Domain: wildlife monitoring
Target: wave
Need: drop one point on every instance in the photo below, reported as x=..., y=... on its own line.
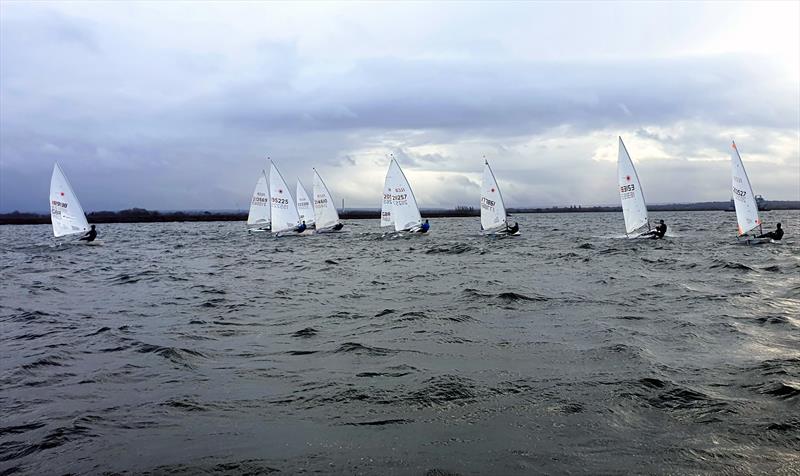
x=453, y=249
x=391, y=421
x=356, y=348
x=505, y=297
x=305, y=332
x=177, y=355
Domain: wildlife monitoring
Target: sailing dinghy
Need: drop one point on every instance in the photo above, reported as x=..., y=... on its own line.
x=494, y=220
x=259, y=217
x=634, y=208
x=402, y=205
x=66, y=212
x=324, y=207
x=305, y=208
x=745, y=202
x=285, y=219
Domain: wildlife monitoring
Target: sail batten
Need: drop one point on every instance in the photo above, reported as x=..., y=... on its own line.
x=743, y=199
x=66, y=213
x=493, y=210
x=324, y=206
x=259, y=215
x=634, y=207
x=282, y=205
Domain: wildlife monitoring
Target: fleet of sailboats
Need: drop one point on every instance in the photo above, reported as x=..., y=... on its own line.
x=272, y=207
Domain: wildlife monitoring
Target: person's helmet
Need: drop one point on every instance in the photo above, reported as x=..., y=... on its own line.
x=93, y=226
x=779, y=225
x=662, y=222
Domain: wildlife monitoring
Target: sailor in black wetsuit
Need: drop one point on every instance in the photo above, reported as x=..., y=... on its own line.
x=510, y=230
x=301, y=227
x=775, y=235
x=90, y=235
x=338, y=226
x=659, y=232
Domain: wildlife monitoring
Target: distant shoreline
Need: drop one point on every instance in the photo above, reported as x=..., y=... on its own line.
x=140, y=215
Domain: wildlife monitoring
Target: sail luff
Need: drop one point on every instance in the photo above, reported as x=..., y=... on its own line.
x=406, y=215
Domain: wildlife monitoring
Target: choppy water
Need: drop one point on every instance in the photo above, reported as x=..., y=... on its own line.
x=194, y=347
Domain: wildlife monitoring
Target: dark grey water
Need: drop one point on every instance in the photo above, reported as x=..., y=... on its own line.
x=190, y=348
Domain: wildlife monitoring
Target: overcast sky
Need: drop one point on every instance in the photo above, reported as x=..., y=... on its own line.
x=177, y=105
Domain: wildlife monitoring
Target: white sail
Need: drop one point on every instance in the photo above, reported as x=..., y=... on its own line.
x=304, y=206
x=259, y=215
x=283, y=208
x=493, y=210
x=66, y=212
x=743, y=199
x=634, y=208
x=387, y=218
x=405, y=212
x=324, y=206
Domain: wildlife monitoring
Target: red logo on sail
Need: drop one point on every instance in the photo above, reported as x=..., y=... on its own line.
x=628, y=178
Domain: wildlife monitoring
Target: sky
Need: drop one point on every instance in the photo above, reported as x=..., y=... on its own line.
x=178, y=105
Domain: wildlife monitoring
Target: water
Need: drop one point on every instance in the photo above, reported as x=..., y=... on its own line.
x=193, y=347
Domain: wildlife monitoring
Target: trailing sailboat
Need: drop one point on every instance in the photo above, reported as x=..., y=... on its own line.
x=259, y=218
x=305, y=208
x=282, y=206
x=399, y=204
x=66, y=213
x=324, y=207
x=494, y=220
x=744, y=201
x=634, y=208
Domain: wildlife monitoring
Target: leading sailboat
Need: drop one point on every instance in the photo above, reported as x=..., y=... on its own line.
x=399, y=204
x=259, y=218
x=494, y=220
x=744, y=201
x=634, y=208
x=66, y=212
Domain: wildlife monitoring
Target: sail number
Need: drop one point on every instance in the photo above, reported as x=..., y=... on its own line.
x=486, y=203
x=741, y=193
x=260, y=200
x=627, y=188
x=56, y=203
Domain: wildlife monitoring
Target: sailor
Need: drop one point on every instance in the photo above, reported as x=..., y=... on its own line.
x=775, y=235
x=512, y=229
x=338, y=226
x=424, y=227
x=659, y=232
x=92, y=234
x=301, y=227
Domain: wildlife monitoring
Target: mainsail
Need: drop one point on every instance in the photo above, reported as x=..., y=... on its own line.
x=405, y=212
x=493, y=210
x=283, y=208
x=743, y=198
x=634, y=208
x=324, y=207
x=259, y=216
x=304, y=206
x=66, y=212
